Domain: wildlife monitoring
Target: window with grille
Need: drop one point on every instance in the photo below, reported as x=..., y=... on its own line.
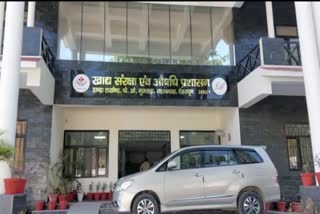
x=86, y=153
x=21, y=131
x=143, y=136
x=193, y=138
x=299, y=146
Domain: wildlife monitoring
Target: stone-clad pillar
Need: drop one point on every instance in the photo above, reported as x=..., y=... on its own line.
x=10, y=72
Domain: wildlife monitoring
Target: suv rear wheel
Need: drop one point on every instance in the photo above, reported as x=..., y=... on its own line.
x=145, y=204
x=250, y=203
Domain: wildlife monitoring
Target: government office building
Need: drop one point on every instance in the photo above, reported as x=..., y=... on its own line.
x=113, y=83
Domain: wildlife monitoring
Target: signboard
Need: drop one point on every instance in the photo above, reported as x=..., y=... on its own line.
x=150, y=85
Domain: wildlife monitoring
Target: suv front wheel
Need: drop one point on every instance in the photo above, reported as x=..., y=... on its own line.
x=250, y=203
x=145, y=204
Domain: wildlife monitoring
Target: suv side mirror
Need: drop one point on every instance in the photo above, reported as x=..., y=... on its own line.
x=172, y=165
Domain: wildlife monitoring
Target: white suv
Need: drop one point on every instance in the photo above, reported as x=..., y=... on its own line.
x=199, y=178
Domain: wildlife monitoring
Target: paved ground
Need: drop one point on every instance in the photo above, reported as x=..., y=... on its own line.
x=185, y=212
x=205, y=212
x=84, y=208
x=108, y=209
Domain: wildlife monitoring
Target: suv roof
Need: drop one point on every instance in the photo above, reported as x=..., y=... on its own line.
x=222, y=146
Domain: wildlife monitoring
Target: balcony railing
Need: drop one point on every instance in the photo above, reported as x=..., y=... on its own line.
x=270, y=51
x=250, y=62
x=47, y=55
x=292, y=53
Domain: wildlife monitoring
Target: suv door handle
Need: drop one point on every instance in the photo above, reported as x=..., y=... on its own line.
x=235, y=172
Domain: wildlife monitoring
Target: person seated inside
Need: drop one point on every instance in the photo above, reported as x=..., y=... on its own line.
x=222, y=161
x=211, y=161
x=145, y=165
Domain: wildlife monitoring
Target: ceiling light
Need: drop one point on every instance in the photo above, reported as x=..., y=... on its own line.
x=99, y=137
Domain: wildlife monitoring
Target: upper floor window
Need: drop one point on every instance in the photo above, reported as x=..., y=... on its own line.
x=193, y=138
x=285, y=20
x=145, y=33
x=287, y=32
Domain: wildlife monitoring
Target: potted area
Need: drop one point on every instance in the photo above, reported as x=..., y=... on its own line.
x=15, y=183
x=307, y=175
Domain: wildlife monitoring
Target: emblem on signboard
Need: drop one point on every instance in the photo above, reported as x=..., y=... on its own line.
x=81, y=83
x=219, y=86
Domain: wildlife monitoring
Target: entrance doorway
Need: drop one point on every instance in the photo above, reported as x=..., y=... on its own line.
x=138, y=146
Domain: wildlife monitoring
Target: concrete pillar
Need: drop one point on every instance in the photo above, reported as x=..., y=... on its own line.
x=270, y=22
x=31, y=13
x=10, y=70
x=2, y=3
x=311, y=70
x=316, y=19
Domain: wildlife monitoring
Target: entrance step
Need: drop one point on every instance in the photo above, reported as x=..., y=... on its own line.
x=49, y=212
x=278, y=212
x=85, y=208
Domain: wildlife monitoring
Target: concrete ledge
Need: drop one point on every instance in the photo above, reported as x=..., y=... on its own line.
x=272, y=80
x=310, y=194
x=13, y=204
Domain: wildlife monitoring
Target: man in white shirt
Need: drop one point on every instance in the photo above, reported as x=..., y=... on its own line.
x=145, y=164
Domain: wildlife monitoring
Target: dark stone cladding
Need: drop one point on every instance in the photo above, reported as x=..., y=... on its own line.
x=250, y=24
x=46, y=17
x=63, y=83
x=264, y=124
x=37, y=147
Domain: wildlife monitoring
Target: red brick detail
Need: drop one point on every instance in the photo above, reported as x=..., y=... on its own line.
x=294, y=69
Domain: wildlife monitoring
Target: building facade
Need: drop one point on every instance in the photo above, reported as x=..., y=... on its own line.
x=110, y=84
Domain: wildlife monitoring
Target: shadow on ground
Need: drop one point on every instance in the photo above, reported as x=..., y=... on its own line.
x=205, y=212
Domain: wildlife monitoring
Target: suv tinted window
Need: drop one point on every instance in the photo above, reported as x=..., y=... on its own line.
x=188, y=160
x=248, y=156
x=219, y=158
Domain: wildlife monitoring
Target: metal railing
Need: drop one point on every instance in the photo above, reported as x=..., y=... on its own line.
x=290, y=50
x=292, y=53
x=47, y=55
x=45, y=51
x=248, y=63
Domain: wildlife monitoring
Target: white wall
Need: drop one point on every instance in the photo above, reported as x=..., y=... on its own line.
x=115, y=118
x=41, y=82
x=230, y=122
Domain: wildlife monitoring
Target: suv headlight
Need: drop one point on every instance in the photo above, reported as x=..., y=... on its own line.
x=123, y=186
